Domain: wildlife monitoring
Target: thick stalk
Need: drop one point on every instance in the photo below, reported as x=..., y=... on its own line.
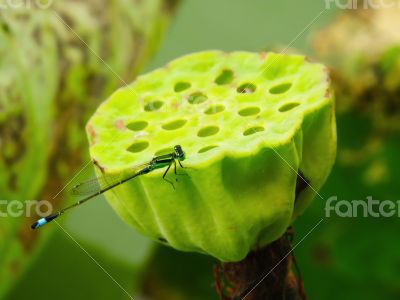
x=265, y=274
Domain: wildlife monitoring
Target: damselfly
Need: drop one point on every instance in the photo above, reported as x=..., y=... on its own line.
x=105, y=183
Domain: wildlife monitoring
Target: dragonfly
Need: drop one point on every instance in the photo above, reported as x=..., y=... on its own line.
x=103, y=184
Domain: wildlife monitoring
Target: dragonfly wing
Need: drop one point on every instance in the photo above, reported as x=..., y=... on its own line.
x=90, y=186
x=97, y=184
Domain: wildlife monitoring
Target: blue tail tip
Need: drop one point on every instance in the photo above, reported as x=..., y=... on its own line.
x=39, y=223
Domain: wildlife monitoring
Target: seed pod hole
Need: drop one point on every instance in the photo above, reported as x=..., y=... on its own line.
x=153, y=106
x=138, y=146
x=214, y=109
x=208, y=131
x=246, y=88
x=181, y=86
x=173, y=125
x=288, y=106
x=137, y=125
x=280, y=88
x=226, y=77
x=197, y=98
x=206, y=149
x=249, y=111
x=253, y=130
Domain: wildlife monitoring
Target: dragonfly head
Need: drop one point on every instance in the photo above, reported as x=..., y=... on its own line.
x=180, y=154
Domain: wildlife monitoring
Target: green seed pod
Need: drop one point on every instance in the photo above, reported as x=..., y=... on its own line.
x=247, y=123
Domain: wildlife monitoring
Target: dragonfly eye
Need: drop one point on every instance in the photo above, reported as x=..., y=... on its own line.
x=179, y=152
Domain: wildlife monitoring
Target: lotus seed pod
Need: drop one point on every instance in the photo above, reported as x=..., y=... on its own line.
x=248, y=124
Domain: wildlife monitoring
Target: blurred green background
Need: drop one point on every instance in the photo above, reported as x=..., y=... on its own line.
x=344, y=258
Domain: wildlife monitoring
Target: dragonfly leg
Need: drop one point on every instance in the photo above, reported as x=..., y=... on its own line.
x=165, y=173
x=181, y=167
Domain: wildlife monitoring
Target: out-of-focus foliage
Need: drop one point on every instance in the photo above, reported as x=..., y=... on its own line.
x=179, y=276
x=56, y=65
x=363, y=47
x=55, y=272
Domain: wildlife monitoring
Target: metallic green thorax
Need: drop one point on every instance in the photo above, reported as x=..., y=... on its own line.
x=162, y=161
